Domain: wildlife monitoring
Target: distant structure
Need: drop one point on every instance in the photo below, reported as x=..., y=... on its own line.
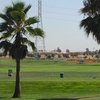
x=40, y=42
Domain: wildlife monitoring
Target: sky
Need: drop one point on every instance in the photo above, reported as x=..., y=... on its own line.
x=61, y=19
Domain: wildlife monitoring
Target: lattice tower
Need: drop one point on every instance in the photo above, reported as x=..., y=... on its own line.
x=40, y=42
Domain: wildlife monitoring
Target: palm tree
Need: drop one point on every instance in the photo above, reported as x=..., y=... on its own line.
x=15, y=30
x=91, y=21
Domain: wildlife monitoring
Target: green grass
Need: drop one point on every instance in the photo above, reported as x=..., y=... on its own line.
x=41, y=79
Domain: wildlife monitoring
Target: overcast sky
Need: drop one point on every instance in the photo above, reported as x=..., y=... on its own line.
x=61, y=20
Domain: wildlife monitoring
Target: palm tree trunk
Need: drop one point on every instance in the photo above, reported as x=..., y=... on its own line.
x=17, y=83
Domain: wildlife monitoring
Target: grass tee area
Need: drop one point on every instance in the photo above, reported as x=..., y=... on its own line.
x=40, y=80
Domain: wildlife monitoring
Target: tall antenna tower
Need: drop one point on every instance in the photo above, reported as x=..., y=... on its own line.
x=40, y=42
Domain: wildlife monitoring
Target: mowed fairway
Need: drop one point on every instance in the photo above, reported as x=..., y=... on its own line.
x=40, y=79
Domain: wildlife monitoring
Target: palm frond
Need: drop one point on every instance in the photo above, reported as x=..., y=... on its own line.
x=19, y=6
x=6, y=46
x=18, y=53
x=7, y=34
x=8, y=9
x=26, y=41
x=26, y=9
x=39, y=32
x=3, y=27
x=4, y=17
x=31, y=20
x=91, y=7
x=91, y=26
x=88, y=25
x=32, y=45
x=30, y=30
x=18, y=15
x=35, y=31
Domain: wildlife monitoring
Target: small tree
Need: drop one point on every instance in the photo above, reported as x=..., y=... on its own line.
x=87, y=51
x=15, y=30
x=67, y=50
x=58, y=49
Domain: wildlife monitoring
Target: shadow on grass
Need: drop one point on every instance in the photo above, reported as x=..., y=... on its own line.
x=5, y=98
x=2, y=98
x=59, y=99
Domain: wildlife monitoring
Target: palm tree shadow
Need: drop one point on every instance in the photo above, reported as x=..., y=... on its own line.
x=2, y=98
x=5, y=98
x=59, y=99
